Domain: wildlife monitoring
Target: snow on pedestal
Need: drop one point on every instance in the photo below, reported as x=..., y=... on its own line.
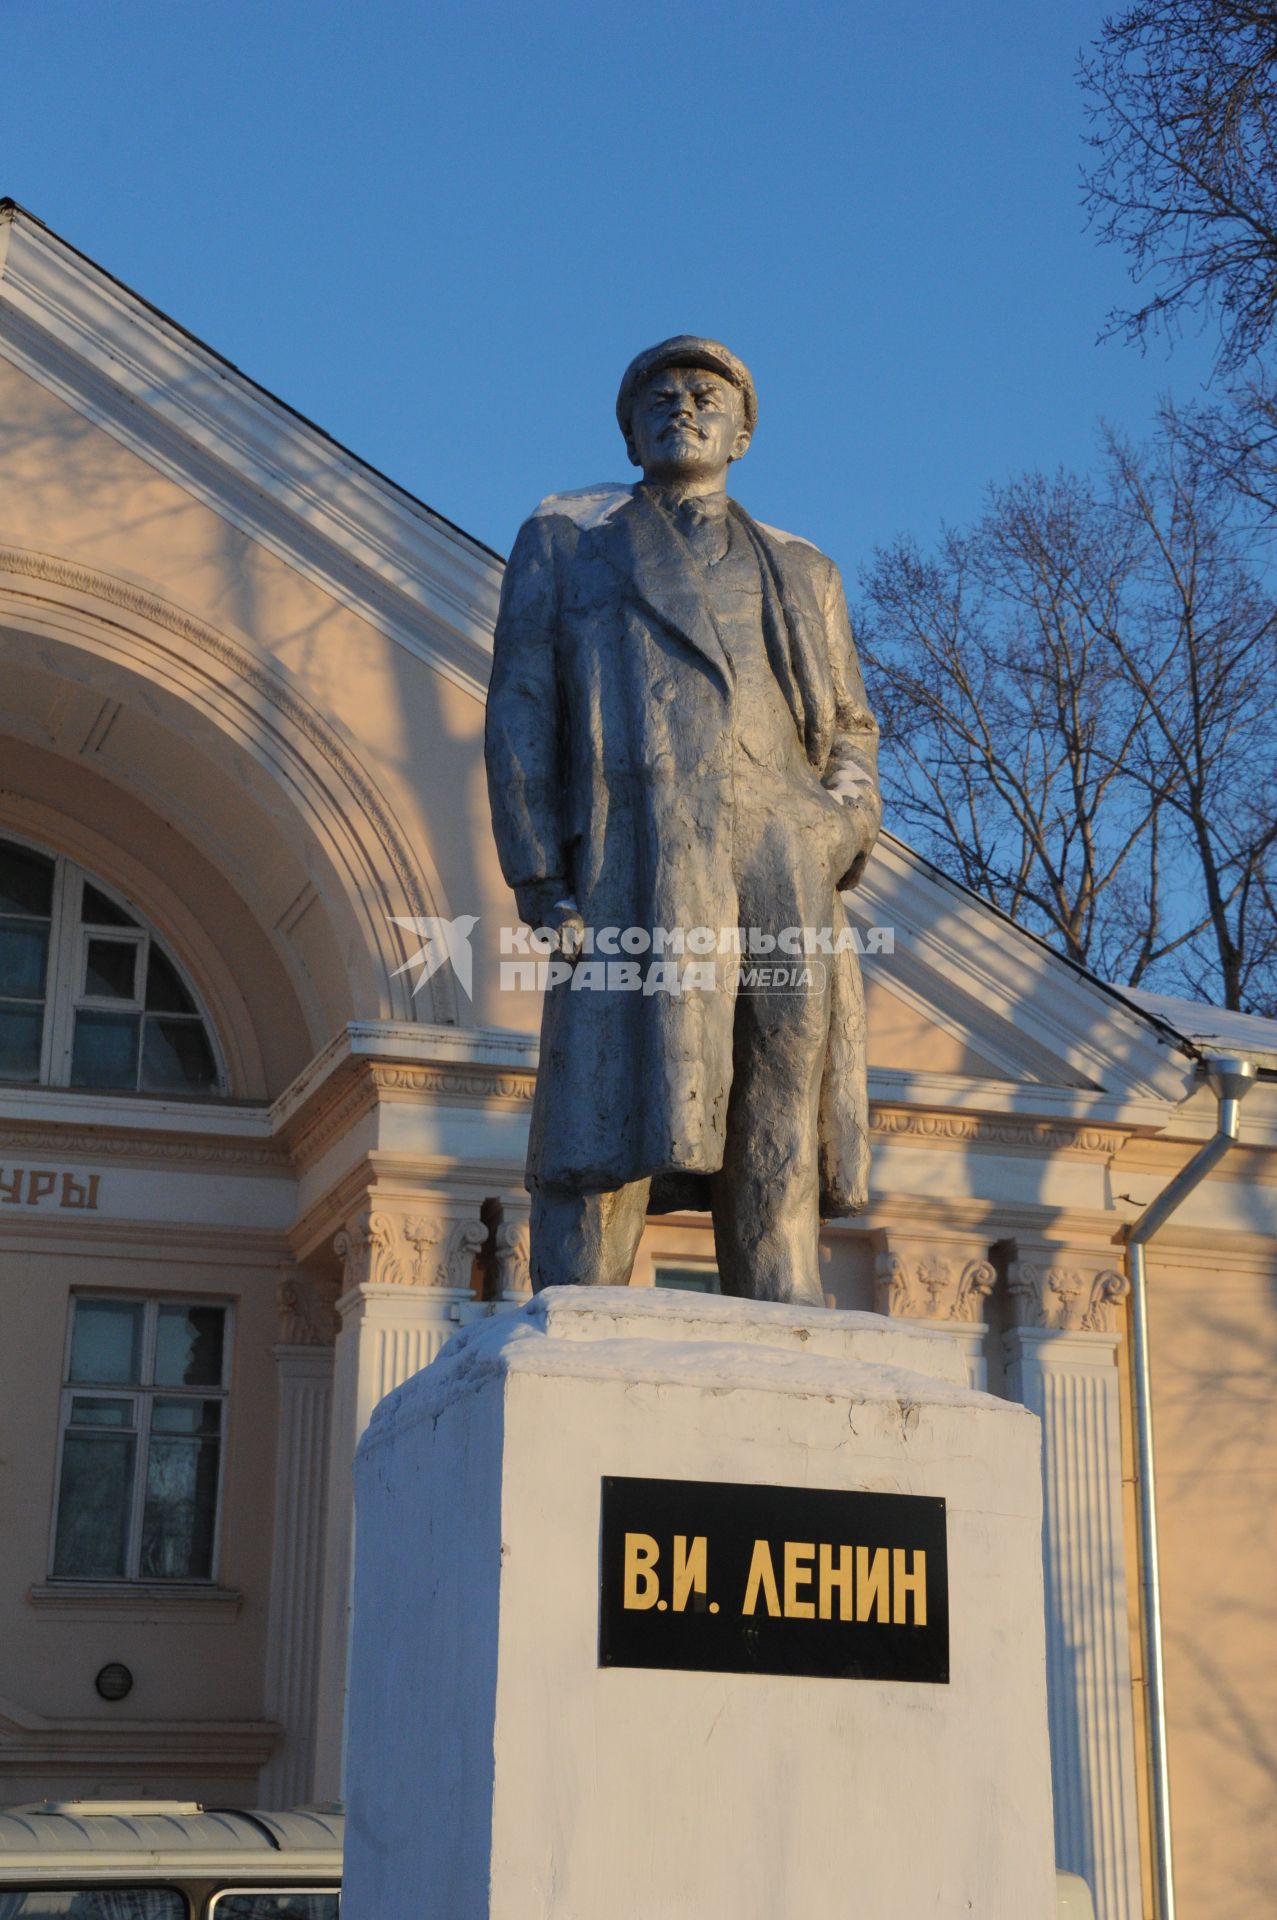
x=497, y=1771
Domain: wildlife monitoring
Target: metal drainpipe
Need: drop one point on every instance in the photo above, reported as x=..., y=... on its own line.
x=1230, y=1078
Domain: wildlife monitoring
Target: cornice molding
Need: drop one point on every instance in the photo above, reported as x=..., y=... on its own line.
x=481, y=1084
x=209, y=1243
x=1040, y=1138
x=1247, y=1163
x=66, y=1110
x=360, y=1085
x=475, y=1085
x=114, y=1747
x=1183, y=1255
x=47, y=1139
x=428, y=585
x=330, y=1120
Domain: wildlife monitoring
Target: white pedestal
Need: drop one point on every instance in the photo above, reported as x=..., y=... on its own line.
x=497, y=1772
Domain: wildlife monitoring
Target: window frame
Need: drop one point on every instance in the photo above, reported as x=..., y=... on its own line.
x=141, y=1394
x=293, y=1887
x=64, y=985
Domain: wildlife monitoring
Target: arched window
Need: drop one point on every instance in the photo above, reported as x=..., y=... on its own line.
x=89, y=997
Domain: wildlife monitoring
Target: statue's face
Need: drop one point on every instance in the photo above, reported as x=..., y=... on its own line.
x=687, y=424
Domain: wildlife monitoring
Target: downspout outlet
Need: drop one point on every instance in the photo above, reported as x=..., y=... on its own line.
x=1230, y=1077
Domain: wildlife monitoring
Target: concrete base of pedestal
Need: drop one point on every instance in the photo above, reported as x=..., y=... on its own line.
x=495, y=1771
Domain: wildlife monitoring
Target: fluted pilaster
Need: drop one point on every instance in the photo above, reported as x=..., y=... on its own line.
x=1062, y=1365
x=407, y=1267
x=292, y=1648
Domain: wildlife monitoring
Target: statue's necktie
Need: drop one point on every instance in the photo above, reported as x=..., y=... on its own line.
x=703, y=522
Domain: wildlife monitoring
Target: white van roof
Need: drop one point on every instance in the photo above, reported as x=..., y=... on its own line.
x=72, y=1838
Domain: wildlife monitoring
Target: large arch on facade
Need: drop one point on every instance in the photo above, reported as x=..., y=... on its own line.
x=306, y=806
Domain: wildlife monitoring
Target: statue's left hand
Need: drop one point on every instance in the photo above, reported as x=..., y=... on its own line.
x=552, y=912
x=859, y=831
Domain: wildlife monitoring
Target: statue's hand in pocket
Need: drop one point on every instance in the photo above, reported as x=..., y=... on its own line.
x=851, y=836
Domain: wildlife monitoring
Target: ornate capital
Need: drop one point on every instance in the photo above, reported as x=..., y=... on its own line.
x=427, y=1247
x=917, y=1281
x=307, y=1310
x=1067, y=1296
x=372, y=1253
x=514, y=1268
x=465, y=1243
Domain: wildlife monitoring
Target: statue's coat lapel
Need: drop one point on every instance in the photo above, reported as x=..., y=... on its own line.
x=655, y=562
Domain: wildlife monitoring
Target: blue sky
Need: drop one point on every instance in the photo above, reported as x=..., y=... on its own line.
x=440, y=230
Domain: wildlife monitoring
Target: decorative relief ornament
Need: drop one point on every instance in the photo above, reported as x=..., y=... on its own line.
x=465, y=1244
x=423, y=1232
x=514, y=1271
x=471, y=1083
x=307, y=1312
x=976, y=1129
x=372, y=1253
x=380, y=1249
x=928, y=1286
x=1068, y=1299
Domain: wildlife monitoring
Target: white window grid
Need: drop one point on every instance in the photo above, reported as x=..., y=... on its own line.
x=141, y=1396
x=64, y=992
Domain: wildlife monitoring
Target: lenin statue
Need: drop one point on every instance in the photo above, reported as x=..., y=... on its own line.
x=679, y=750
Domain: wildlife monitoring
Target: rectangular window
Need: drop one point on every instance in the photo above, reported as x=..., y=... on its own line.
x=701, y=1278
x=143, y=1424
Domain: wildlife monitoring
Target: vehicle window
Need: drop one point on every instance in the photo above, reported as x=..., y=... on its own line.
x=275, y=1903
x=92, y=1903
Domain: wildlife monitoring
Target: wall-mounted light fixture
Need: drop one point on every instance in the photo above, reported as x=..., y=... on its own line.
x=114, y=1681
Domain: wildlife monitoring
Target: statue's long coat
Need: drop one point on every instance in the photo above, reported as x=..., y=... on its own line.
x=611, y=768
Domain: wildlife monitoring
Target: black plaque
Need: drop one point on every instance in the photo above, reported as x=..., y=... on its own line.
x=720, y=1577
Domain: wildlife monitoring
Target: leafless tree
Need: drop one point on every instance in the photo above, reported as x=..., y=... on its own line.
x=1201, y=651
x=1238, y=437
x=1183, y=98
x=1075, y=696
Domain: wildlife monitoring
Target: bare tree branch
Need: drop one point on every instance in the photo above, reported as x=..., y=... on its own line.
x=1183, y=97
x=1076, y=700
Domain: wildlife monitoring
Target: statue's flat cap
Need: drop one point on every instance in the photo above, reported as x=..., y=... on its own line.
x=686, y=350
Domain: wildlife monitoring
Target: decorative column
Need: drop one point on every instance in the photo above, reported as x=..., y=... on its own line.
x=308, y=1328
x=941, y=1283
x=407, y=1267
x=1062, y=1364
